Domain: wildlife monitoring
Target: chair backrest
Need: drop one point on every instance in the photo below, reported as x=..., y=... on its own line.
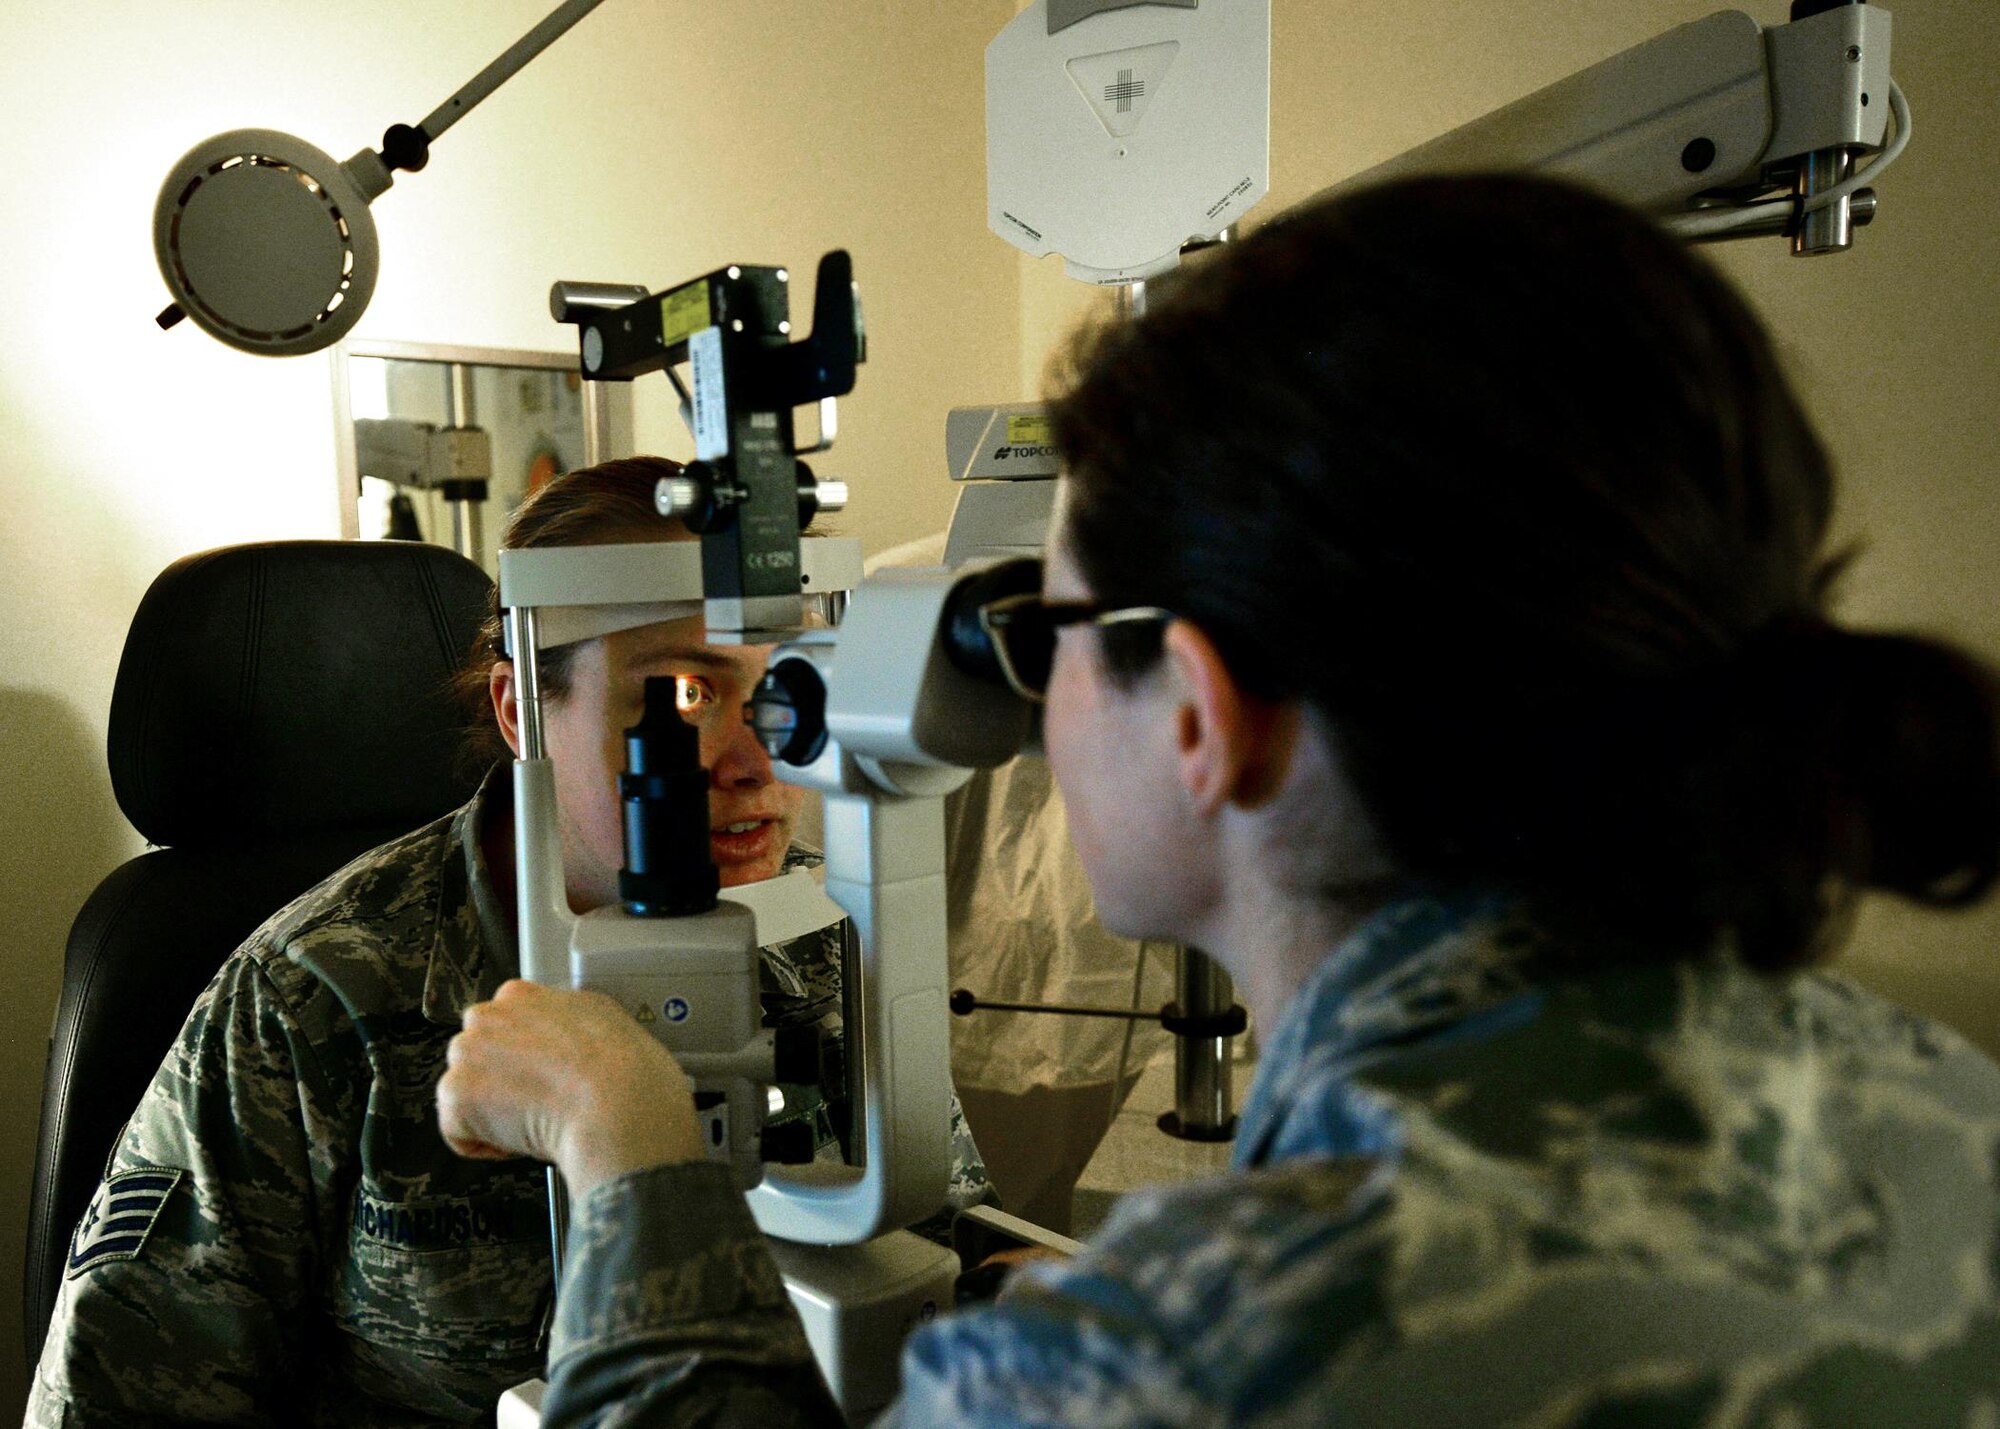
x=279, y=709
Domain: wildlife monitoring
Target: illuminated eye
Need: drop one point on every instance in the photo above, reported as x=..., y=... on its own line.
x=692, y=693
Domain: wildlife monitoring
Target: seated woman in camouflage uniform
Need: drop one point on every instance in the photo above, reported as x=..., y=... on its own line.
x=320, y=1256
x=1482, y=713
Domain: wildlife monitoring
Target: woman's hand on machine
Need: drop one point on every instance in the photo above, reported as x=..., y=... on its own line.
x=569, y=1078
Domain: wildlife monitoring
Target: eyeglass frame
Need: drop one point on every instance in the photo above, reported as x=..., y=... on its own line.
x=997, y=616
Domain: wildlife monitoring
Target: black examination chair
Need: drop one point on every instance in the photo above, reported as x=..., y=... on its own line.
x=279, y=708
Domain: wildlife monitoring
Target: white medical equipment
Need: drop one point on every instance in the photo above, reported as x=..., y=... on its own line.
x=876, y=714
x=454, y=460
x=1721, y=128
x=1118, y=131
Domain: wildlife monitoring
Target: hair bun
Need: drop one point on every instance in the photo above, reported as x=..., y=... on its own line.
x=1918, y=728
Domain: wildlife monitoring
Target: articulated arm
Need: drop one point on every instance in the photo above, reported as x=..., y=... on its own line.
x=1705, y=125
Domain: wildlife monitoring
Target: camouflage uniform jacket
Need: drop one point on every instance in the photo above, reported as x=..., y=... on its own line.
x=291, y=1241
x=1475, y=1184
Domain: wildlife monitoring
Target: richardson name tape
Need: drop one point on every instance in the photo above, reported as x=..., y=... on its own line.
x=446, y=1222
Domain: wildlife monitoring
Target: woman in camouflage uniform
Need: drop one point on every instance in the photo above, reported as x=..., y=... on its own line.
x=1436, y=632
x=314, y=1254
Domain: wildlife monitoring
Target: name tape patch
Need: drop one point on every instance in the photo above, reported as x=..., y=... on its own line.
x=120, y=1216
x=448, y=1222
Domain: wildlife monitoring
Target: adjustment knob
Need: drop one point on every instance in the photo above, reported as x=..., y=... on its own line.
x=818, y=495
x=702, y=496
x=678, y=496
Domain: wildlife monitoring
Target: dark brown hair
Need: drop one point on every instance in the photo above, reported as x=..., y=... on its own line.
x=594, y=505
x=1511, y=488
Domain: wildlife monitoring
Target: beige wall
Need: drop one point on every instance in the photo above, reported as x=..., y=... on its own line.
x=663, y=138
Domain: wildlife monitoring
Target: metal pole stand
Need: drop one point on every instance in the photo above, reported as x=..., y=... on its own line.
x=1204, y=1018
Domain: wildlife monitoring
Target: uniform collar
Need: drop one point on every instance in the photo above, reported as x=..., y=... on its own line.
x=1417, y=967
x=472, y=944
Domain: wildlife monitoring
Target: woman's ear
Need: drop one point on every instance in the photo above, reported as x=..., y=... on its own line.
x=1234, y=748
x=500, y=689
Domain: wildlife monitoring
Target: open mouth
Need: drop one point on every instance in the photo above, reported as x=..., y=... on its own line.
x=744, y=840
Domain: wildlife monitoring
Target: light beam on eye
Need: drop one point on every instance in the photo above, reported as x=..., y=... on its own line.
x=692, y=692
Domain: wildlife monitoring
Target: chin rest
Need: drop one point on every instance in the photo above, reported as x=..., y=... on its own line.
x=279, y=709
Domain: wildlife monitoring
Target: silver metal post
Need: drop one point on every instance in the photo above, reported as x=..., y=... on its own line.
x=558, y=1222
x=1774, y=216
x=1131, y=300
x=524, y=645
x=1829, y=229
x=596, y=422
x=1202, y=1091
x=460, y=412
x=458, y=405
x=506, y=67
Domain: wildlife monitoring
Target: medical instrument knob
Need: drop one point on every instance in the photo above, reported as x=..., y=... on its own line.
x=571, y=301
x=830, y=495
x=677, y=495
x=702, y=496
x=817, y=495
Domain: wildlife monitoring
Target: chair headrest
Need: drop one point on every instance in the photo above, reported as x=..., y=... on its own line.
x=294, y=686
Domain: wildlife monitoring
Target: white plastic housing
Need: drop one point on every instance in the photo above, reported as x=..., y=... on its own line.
x=693, y=983
x=885, y=867
x=859, y=1303
x=1123, y=136
x=894, y=697
x=1005, y=461
x=1760, y=98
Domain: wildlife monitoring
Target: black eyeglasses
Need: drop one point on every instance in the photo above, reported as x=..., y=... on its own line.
x=1023, y=630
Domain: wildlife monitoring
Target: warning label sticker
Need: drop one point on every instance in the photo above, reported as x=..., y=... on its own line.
x=1031, y=429
x=684, y=312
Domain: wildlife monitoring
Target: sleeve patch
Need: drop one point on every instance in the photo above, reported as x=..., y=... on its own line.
x=120, y=1217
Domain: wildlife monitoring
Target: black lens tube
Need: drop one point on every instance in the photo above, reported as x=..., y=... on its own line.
x=669, y=869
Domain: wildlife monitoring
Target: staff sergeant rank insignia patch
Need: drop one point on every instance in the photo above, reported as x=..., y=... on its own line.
x=120, y=1217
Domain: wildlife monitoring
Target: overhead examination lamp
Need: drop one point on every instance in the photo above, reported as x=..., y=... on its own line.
x=267, y=242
